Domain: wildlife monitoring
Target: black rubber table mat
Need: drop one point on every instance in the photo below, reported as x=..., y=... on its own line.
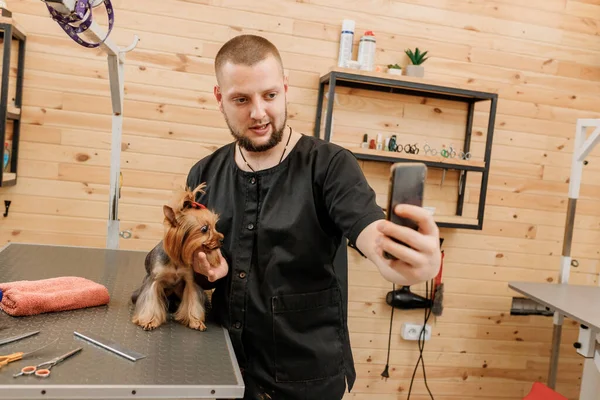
x=180, y=362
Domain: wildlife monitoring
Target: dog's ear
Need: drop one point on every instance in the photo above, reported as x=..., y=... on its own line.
x=170, y=214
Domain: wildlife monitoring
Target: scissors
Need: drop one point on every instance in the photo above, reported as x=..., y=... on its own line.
x=429, y=150
x=45, y=372
x=5, y=360
x=464, y=156
x=411, y=149
x=448, y=153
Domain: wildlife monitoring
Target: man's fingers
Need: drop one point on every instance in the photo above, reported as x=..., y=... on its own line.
x=421, y=216
x=202, y=257
x=404, y=234
x=203, y=262
x=212, y=272
x=401, y=252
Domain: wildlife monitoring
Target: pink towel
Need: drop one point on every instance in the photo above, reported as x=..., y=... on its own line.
x=49, y=295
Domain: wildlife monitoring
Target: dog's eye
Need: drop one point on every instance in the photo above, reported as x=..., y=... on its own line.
x=204, y=229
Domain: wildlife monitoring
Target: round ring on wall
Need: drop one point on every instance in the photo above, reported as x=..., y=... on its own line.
x=125, y=234
x=574, y=263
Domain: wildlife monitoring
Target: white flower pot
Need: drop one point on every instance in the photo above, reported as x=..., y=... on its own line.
x=394, y=71
x=415, y=70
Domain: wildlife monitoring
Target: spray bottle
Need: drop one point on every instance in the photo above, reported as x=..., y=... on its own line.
x=366, y=51
x=346, y=43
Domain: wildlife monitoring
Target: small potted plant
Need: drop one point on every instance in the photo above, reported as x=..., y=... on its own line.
x=394, y=69
x=415, y=68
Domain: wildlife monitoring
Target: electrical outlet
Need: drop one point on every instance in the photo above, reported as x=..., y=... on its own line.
x=412, y=331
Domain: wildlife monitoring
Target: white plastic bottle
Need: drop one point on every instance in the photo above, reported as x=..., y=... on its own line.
x=346, y=42
x=366, y=51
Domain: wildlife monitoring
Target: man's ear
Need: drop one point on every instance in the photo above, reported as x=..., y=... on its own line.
x=285, y=82
x=170, y=214
x=219, y=97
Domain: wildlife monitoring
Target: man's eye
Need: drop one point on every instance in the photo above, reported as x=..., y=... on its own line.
x=204, y=229
x=272, y=95
x=240, y=100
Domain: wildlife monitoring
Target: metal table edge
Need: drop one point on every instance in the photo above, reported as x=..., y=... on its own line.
x=41, y=391
x=552, y=307
x=66, y=245
x=234, y=362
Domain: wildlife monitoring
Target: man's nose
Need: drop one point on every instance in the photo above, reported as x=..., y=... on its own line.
x=258, y=110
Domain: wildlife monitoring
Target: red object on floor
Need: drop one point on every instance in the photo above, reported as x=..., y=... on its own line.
x=539, y=391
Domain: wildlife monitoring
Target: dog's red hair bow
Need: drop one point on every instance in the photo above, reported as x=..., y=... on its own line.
x=198, y=205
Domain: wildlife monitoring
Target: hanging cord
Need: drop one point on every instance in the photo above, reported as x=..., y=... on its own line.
x=386, y=373
x=427, y=314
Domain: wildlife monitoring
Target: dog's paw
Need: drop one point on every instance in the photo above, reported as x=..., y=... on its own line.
x=147, y=325
x=197, y=324
x=151, y=325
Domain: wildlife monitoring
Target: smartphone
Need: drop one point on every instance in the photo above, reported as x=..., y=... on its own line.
x=406, y=186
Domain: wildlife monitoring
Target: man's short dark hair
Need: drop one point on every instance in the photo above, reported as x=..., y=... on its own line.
x=246, y=50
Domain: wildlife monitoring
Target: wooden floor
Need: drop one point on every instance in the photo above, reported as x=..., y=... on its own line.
x=542, y=58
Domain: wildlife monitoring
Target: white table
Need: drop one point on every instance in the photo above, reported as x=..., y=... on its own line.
x=581, y=304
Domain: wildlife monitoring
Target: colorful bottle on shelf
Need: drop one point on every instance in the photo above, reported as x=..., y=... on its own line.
x=379, y=142
x=365, y=142
x=6, y=161
x=392, y=144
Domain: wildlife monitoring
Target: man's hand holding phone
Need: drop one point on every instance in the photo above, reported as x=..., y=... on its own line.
x=406, y=245
x=415, y=253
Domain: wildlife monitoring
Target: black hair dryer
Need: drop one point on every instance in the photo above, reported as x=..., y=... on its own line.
x=404, y=299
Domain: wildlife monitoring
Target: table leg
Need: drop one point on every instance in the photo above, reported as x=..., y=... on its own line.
x=556, y=337
x=590, y=381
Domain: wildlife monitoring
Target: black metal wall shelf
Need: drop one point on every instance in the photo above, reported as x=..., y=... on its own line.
x=9, y=110
x=417, y=87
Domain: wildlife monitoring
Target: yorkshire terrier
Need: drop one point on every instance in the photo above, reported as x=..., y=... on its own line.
x=169, y=284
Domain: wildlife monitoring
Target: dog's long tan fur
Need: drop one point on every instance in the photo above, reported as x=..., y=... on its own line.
x=189, y=228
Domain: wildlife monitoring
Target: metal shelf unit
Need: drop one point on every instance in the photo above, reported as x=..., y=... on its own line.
x=416, y=87
x=10, y=31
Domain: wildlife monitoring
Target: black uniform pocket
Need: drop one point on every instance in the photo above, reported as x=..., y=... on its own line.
x=307, y=330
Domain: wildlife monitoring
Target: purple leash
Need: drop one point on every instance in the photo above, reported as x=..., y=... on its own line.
x=82, y=8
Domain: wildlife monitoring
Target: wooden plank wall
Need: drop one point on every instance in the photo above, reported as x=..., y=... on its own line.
x=542, y=57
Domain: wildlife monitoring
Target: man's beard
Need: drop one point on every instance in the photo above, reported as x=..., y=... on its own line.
x=247, y=144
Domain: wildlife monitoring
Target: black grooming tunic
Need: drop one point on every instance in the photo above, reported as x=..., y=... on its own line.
x=284, y=301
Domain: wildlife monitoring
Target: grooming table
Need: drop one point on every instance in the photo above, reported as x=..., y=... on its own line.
x=582, y=304
x=180, y=363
